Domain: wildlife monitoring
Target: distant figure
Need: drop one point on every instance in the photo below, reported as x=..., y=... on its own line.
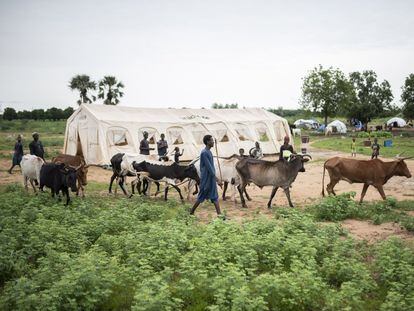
x=162, y=147
x=177, y=154
x=208, y=179
x=375, y=149
x=286, y=149
x=18, y=153
x=241, y=153
x=36, y=147
x=144, y=145
x=353, y=148
x=256, y=152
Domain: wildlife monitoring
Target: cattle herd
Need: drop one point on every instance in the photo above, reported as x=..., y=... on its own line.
x=70, y=172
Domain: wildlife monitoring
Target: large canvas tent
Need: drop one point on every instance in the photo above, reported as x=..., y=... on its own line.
x=99, y=131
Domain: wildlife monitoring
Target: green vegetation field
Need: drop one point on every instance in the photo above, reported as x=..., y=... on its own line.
x=106, y=253
x=400, y=144
x=52, y=134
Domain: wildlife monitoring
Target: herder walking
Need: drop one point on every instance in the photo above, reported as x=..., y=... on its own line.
x=18, y=153
x=208, y=179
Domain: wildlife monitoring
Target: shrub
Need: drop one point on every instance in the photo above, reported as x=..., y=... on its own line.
x=335, y=208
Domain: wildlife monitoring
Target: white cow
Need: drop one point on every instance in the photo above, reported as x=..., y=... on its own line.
x=296, y=132
x=31, y=166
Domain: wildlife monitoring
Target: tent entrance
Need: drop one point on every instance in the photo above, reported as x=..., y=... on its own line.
x=79, y=147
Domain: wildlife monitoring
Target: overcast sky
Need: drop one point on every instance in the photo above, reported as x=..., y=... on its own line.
x=194, y=53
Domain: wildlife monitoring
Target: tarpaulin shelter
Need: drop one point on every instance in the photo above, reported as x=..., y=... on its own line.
x=400, y=122
x=336, y=127
x=310, y=124
x=99, y=131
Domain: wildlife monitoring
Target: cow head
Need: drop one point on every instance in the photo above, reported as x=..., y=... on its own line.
x=299, y=159
x=139, y=166
x=82, y=173
x=401, y=168
x=191, y=172
x=69, y=177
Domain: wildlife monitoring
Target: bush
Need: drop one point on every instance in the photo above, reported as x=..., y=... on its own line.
x=335, y=208
x=377, y=134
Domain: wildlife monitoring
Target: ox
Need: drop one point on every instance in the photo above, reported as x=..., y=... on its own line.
x=168, y=172
x=31, y=166
x=277, y=174
x=226, y=173
x=369, y=172
x=75, y=161
x=57, y=177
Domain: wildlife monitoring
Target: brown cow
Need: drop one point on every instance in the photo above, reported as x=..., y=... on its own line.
x=75, y=162
x=369, y=172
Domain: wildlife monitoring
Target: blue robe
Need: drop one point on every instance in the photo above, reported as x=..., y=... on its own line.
x=208, y=184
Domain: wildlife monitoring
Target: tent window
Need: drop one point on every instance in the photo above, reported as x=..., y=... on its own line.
x=198, y=136
x=243, y=134
x=118, y=137
x=262, y=133
x=174, y=135
x=221, y=135
x=225, y=138
x=152, y=132
x=278, y=131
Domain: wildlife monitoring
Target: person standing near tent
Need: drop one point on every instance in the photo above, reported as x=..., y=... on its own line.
x=208, y=179
x=162, y=147
x=286, y=149
x=177, y=154
x=36, y=147
x=353, y=147
x=18, y=153
x=144, y=145
x=375, y=149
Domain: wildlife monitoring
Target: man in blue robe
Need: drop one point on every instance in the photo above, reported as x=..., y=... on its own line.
x=208, y=179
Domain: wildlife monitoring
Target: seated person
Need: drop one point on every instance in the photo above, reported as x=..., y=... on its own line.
x=286, y=149
x=256, y=152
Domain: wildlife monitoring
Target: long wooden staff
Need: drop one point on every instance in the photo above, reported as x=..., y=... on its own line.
x=218, y=162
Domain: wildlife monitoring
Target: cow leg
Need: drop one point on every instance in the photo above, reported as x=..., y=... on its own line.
x=25, y=178
x=272, y=195
x=287, y=192
x=158, y=188
x=241, y=190
x=110, y=183
x=226, y=184
x=121, y=184
x=364, y=190
x=179, y=192
x=196, y=189
x=247, y=195
x=33, y=186
x=331, y=185
x=381, y=191
x=66, y=193
x=166, y=193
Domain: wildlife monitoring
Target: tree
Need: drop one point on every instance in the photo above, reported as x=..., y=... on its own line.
x=110, y=90
x=370, y=98
x=68, y=112
x=325, y=90
x=54, y=114
x=38, y=114
x=9, y=114
x=24, y=115
x=83, y=84
x=407, y=97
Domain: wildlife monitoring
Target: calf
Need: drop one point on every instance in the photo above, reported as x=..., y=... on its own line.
x=278, y=174
x=57, y=177
x=31, y=166
x=75, y=161
x=167, y=172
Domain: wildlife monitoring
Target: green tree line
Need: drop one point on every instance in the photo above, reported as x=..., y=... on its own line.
x=361, y=95
x=37, y=114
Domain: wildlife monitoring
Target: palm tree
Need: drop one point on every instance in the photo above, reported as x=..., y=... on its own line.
x=83, y=84
x=109, y=90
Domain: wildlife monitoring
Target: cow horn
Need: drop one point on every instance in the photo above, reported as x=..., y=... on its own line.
x=307, y=155
x=398, y=156
x=75, y=167
x=407, y=158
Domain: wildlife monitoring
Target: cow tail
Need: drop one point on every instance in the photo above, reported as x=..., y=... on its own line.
x=323, y=180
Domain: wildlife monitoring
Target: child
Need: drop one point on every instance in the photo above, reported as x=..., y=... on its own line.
x=177, y=154
x=375, y=149
x=353, y=148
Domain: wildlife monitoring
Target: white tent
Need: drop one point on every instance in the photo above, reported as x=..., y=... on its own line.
x=336, y=127
x=400, y=122
x=99, y=131
x=301, y=123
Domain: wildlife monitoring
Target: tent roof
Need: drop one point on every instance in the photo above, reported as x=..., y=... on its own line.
x=172, y=115
x=401, y=122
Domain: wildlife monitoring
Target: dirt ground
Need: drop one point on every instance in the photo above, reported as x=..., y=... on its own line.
x=305, y=190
